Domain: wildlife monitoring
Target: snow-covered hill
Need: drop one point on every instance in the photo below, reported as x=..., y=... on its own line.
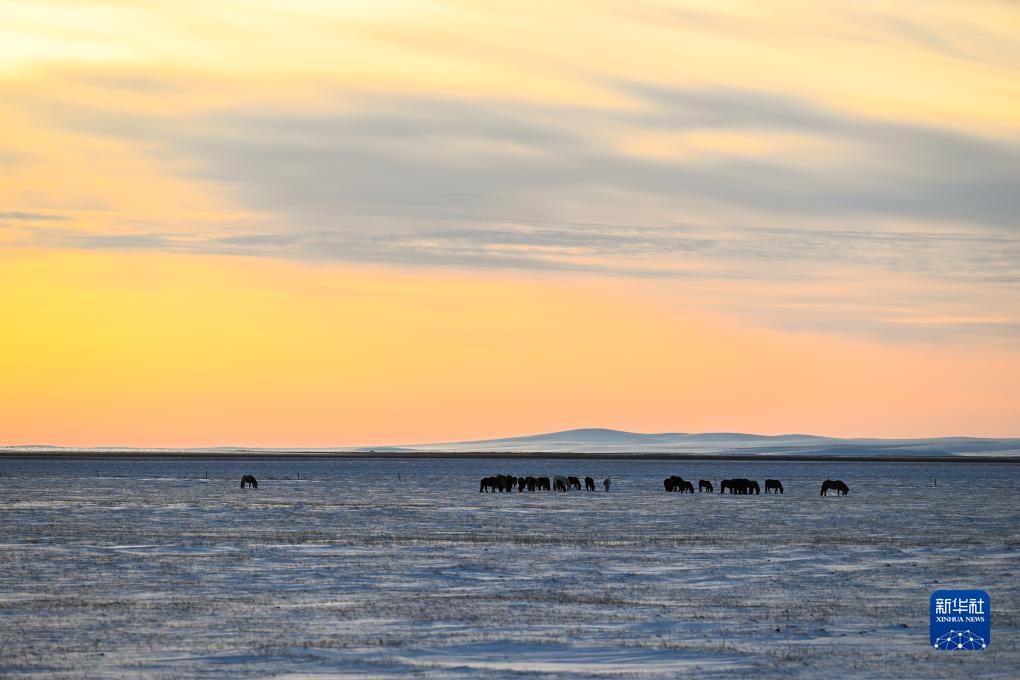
x=598, y=440
x=622, y=443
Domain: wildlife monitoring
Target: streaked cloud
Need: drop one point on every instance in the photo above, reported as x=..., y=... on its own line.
x=449, y=183
x=21, y=216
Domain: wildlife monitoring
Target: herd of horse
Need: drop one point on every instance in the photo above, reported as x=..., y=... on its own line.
x=510, y=483
x=739, y=486
x=745, y=487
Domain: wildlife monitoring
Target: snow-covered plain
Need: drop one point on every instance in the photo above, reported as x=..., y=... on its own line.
x=376, y=568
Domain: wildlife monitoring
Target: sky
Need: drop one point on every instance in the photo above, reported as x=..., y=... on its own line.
x=353, y=223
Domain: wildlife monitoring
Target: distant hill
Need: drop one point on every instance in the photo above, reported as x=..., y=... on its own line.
x=600, y=440
x=619, y=443
x=597, y=435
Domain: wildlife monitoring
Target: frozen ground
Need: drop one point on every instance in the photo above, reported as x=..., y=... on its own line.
x=384, y=568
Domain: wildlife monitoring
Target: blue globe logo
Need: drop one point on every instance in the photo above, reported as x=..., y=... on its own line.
x=960, y=639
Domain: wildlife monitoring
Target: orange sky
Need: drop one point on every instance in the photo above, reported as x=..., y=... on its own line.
x=168, y=350
x=391, y=222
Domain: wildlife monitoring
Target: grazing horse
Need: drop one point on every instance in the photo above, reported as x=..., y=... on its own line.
x=542, y=484
x=521, y=482
x=589, y=483
x=836, y=485
x=678, y=484
x=705, y=485
x=249, y=480
x=487, y=484
x=739, y=486
x=773, y=485
x=529, y=482
x=574, y=483
x=560, y=483
x=605, y=483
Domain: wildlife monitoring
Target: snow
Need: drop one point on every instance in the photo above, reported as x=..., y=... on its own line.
x=383, y=568
x=595, y=440
x=621, y=443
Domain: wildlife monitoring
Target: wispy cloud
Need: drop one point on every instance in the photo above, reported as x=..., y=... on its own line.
x=24, y=216
x=472, y=184
x=517, y=148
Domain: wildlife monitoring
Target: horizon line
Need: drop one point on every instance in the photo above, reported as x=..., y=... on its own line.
x=331, y=447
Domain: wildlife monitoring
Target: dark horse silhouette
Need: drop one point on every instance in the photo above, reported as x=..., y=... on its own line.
x=739, y=486
x=705, y=485
x=773, y=485
x=837, y=485
x=589, y=483
x=606, y=482
x=501, y=483
x=574, y=483
x=249, y=480
x=677, y=484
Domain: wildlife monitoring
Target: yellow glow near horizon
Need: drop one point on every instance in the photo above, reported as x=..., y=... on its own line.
x=161, y=350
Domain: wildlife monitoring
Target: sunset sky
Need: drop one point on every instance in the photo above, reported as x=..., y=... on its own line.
x=312, y=223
